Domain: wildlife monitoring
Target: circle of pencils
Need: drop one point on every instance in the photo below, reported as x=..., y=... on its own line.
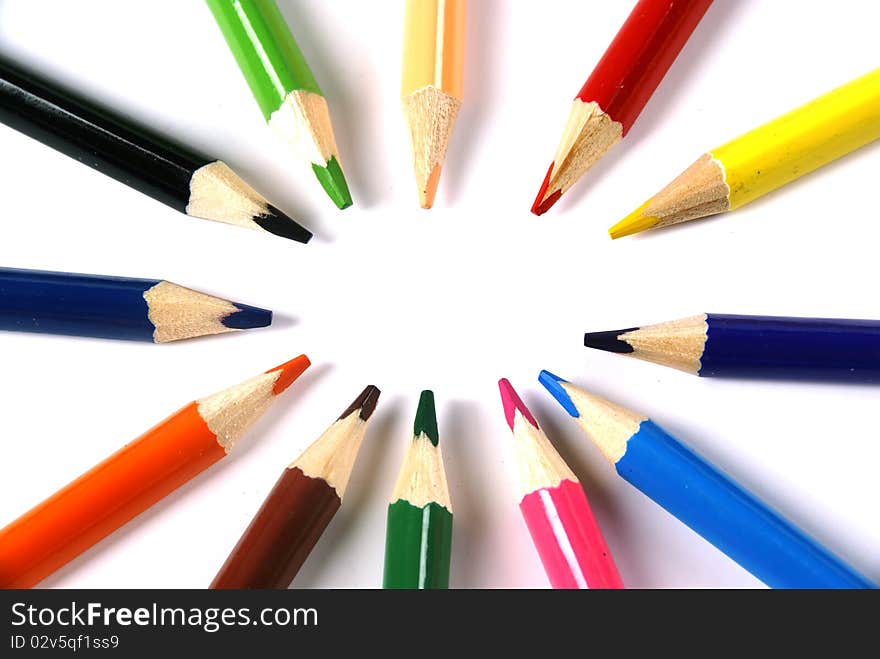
x=193, y=184
x=283, y=86
x=134, y=478
x=701, y=496
x=432, y=86
x=554, y=506
x=418, y=536
x=295, y=513
x=724, y=345
x=116, y=307
x=768, y=157
x=617, y=91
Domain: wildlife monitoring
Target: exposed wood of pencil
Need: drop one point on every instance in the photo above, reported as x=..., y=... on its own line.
x=131, y=480
x=766, y=347
x=618, y=89
x=702, y=497
x=555, y=507
x=293, y=517
x=283, y=86
x=432, y=86
x=678, y=343
x=175, y=175
x=418, y=536
x=766, y=158
x=116, y=307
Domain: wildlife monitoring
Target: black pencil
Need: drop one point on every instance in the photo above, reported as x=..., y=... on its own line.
x=192, y=183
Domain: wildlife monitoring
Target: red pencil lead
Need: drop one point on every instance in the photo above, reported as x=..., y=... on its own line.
x=541, y=204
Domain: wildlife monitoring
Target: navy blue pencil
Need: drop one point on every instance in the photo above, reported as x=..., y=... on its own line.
x=116, y=307
x=770, y=347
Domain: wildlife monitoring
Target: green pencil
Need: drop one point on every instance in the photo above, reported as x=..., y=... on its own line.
x=283, y=85
x=418, y=540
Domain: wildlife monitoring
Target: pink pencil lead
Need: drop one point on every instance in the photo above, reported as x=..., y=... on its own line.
x=512, y=402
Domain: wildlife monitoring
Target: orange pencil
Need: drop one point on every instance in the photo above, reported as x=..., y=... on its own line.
x=134, y=478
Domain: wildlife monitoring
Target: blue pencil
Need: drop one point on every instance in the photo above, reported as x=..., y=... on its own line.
x=116, y=307
x=771, y=347
x=698, y=494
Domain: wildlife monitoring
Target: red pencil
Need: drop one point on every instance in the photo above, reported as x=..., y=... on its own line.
x=618, y=89
x=555, y=508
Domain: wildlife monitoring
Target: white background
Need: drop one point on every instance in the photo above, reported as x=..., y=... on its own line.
x=449, y=299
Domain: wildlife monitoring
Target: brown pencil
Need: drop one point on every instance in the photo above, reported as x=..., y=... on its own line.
x=300, y=506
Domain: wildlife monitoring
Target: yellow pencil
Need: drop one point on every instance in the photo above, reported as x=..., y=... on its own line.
x=431, y=91
x=766, y=158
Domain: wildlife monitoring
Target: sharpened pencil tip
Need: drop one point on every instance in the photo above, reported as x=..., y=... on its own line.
x=333, y=181
x=553, y=384
x=282, y=225
x=635, y=222
x=247, y=317
x=365, y=403
x=511, y=402
x=426, y=196
x=426, y=418
x=290, y=371
x=609, y=341
x=543, y=203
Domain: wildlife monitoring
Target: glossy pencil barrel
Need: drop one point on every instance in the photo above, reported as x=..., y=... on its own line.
x=78, y=305
x=281, y=535
x=106, y=497
x=791, y=348
x=640, y=55
x=726, y=515
x=568, y=538
x=96, y=137
x=418, y=546
x=790, y=146
x=265, y=50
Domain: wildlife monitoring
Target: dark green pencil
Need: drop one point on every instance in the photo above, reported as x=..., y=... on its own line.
x=418, y=541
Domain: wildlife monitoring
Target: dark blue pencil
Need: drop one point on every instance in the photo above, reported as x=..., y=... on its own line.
x=701, y=496
x=771, y=347
x=116, y=307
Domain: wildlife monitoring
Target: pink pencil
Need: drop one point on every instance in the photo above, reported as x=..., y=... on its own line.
x=563, y=528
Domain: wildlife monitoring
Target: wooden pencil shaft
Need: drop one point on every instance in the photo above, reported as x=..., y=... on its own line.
x=134, y=478
x=769, y=347
x=97, y=137
x=115, y=307
x=701, y=496
x=265, y=50
x=292, y=518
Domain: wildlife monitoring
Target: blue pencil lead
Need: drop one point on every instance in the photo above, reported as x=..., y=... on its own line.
x=552, y=384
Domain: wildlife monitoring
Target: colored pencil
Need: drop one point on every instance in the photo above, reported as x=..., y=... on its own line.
x=295, y=513
x=432, y=85
x=418, y=539
x=618, y=89
x=773, y=347
x=194, y=184
x=116, y=307
x=134, y=478
x=755, y=164
x=554, y=506
x=283, y=86
x=702, y=497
